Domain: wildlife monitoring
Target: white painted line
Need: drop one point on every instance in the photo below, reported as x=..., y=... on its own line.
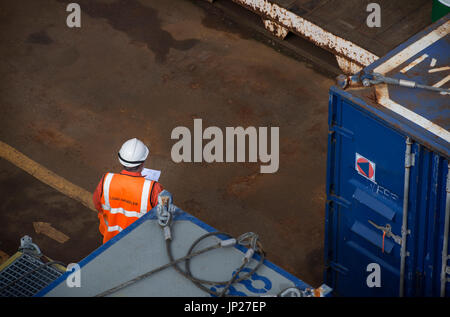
x=440, y=69
x=413, y=49
x=414, y=63
x=382, y=93
x=442, y=82
x=433, y=62
x=382, y=90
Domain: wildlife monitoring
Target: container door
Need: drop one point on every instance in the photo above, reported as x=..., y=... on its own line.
x=428, y=194
x=364, y=209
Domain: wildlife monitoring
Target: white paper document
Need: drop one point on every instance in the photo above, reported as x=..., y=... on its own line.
x=151, y=175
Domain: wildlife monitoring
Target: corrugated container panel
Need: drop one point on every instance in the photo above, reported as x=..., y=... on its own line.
x=369, y=128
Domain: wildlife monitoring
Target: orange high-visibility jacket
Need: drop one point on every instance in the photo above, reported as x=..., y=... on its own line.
x=124, y=199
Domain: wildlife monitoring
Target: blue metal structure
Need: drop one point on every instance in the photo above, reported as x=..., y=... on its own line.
x=381, y=198
x=140, y=248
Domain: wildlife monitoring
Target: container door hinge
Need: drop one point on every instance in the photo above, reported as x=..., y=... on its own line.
x=338, y=268
x=340, y=201
x=410, y=159
x=342, y=131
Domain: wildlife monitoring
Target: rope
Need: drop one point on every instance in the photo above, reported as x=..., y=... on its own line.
x=199, y=282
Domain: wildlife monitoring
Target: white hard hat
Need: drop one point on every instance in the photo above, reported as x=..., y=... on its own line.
x=133, y=153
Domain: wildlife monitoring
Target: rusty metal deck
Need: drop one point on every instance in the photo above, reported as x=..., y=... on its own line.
x=340, y=26
x=347, y=19
x=143, y=68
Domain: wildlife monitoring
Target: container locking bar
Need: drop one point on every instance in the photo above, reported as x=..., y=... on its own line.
x=405, y=231
x=387, y=229
x=369, y=79
x=376, y=78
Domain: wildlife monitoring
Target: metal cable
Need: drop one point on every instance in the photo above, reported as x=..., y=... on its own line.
x=176, y=267
x=253, y=244
x=160, y=268
x=232, y=280
x=244, y=277
x=199, y=282
x=378, y=79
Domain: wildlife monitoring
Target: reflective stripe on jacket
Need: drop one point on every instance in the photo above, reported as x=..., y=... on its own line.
x=124, y=199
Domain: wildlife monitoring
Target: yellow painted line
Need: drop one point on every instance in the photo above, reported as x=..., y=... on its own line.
x=10, y=260
x=46, y=176
x=47, y=229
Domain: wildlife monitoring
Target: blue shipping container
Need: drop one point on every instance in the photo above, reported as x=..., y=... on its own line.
x=386, y=230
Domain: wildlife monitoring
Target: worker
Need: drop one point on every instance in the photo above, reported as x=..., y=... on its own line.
x=123, y=198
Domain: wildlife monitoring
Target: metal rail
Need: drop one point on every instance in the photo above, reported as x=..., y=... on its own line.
x=403, y=253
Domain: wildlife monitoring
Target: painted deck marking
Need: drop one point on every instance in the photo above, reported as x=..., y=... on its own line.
x=47, y=229
x=442, y=82
x=433, y=62
x=46, y=176
x=382, y=91
x=440, y=69
x=413, y=49
x=414, y=63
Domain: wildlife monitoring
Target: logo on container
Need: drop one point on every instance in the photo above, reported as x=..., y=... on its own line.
x=365, y=167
